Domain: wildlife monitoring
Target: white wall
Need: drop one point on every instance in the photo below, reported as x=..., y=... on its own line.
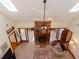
x=26, y=24
x=74, y=44
x=30, y=24
x=3, y=28
x=59, y=24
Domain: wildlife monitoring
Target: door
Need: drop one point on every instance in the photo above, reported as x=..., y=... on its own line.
x=53, y=35
x=13, y=40
x=63, y=36
x=31, y=35
x=23, y=34
x=60, y=33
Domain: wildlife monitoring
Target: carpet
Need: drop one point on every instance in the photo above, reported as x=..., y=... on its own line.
x=42, y=53
x=31, y=51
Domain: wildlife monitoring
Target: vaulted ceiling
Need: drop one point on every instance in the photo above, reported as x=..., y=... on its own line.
x=30, y=10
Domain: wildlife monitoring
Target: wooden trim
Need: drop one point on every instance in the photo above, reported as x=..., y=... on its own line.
x=15, y=36
x=23, y=41
x=59, y=28
x=10, y=43
x=11, y=33
x=19, y=33
x=69, y=30
x=70, y=37
x=24, y=28
x=50, y=28
x=10, y=30
x=57, y=33
x=71, y=53
x=26, y=34
x=15, y=39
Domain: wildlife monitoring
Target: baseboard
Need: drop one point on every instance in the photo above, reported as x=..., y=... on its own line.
x=23, y=41
x=71, y=53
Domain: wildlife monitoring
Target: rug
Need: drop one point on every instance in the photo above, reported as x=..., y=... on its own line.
x=42, y=53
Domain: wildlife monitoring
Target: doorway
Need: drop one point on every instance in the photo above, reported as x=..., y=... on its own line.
x=31, y=35
x=26, y=34
x=12, y=37
x=23, y=34
x=13, y=40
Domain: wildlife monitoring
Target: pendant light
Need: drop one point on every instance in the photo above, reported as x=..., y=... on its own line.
x=44, y=27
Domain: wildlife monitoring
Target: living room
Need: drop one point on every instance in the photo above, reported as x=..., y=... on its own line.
x=56, y=11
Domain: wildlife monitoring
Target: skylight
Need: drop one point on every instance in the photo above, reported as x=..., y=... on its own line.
x=75, y=8
x=9, y=5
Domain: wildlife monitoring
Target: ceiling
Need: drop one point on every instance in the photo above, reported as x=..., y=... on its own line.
x=31, y=10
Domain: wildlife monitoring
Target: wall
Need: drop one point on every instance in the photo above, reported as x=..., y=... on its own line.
x=59, y=24
x=26, y=24
x=3, y=35
x=74, y=44
x=29, y=24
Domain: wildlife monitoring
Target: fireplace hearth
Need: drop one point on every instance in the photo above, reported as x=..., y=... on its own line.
x=42, y=39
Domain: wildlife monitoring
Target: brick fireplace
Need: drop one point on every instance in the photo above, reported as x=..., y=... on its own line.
x=40, y=36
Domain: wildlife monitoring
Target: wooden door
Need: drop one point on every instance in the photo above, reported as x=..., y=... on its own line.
x=12, y=37
x=63, y=36
x=13, y=40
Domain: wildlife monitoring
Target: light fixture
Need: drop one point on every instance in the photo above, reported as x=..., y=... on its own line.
x=43, y=28
x=75, y=8
x=50, y=19
x=9, y=5
x=44, y=24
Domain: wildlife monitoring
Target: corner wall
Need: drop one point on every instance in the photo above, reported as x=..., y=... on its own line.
x=3, y=35
x=74, y=44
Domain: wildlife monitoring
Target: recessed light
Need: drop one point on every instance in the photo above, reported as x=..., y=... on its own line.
x=50, y=18
x=75, y=8
x=9, y=5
